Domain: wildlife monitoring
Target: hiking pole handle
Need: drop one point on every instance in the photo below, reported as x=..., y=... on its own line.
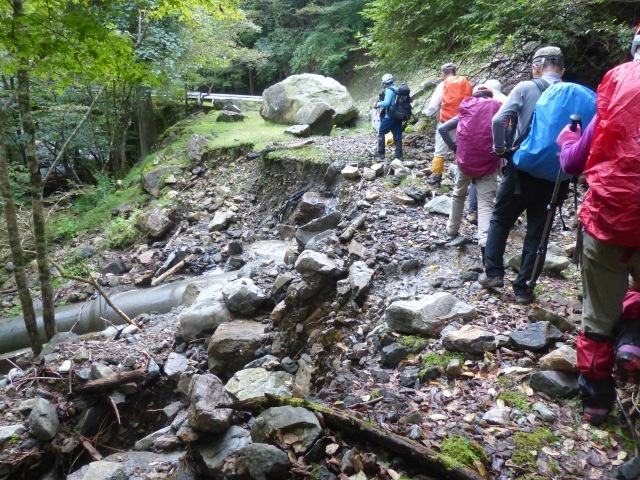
x=575, y=121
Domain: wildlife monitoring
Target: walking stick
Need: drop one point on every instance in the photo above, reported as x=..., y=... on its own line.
x=551, y=211
x=375, y=127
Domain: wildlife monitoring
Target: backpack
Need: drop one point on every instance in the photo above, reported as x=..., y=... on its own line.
x=538, y=154
x=454, y=90
x=401, y=109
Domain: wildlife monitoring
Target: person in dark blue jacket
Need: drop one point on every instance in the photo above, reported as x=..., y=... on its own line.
x=387, y=124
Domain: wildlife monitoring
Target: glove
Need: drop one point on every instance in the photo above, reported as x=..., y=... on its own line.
x=501, y=153
x=568, y=137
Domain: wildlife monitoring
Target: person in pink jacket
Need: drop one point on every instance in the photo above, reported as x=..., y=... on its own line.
x=474, y=159
x=609, y=154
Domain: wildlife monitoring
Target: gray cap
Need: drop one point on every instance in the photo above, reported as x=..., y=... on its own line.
x=546, y=52
x=449, y=67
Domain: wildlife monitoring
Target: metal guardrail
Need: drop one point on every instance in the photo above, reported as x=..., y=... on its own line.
x=201, y=97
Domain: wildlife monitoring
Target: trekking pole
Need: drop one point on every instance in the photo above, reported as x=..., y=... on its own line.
x=551, y=210
x=374, y=129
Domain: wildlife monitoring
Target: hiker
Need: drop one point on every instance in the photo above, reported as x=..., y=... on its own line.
x=474, y=159
x=609, y=154
x=472, y=213
x=446, y=97
x=388, y=124
x=520, y=191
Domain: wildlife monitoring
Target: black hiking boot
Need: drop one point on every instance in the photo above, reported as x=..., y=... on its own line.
x=597, y=398
x=490, y=282
x=435, y=180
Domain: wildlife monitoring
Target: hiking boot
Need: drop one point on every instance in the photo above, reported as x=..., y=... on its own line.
x=490, y=282
x=435, y=180
x=597, y=398
x=628, y=364
x=472, y=218
x=525, y=298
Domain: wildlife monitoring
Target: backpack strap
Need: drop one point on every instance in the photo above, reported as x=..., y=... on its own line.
x=542, y=86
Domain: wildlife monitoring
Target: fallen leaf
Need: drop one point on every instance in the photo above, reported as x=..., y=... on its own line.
x=331, y=448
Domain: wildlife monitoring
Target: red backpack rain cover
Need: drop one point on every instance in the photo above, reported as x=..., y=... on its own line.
x=611, y=209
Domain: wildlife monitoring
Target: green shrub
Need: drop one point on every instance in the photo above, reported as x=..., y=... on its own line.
x=516, y=399
x=122, y=232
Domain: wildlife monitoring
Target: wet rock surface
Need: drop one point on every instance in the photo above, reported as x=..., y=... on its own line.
x=385, y=322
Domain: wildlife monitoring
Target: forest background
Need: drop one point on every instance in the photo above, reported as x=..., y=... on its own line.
x=87, y=86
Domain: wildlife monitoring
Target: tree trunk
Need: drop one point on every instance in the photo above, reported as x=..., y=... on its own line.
x=17, y=255
x=39, y=233
x=146, y=121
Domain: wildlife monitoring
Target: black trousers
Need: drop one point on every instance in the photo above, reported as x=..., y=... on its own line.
x=518, y=192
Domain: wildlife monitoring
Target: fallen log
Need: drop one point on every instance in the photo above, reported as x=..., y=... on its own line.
x=111, y=382
x=290, y=146
x=351, y=229
x=435, y=463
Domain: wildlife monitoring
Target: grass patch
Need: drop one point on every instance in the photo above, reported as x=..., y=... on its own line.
x=122, y=232
x=412, y=342
x=463, y=451
x=434, y=359
x=526, y=446
x=516, y=399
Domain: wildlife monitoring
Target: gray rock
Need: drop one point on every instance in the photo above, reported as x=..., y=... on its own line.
x=312, y=205
x=497, y=416
x=8, y=431
x=255, y=382
x=538, y=314
x=360, y=276
x=552, y=263
x=441, y=205
x=311, y=229
x=319, y=263
x=564, y=359
x=555, y=384
x=196, y=148
x=282, y=101
x=536, y=337
x=243, y=296
x=392, y=355
x=286, y=232
x=205, y=393
x=350, y=172
x=428, y=315
x=154, y=221
x=190, y=295
x=221, y=220
x=544, y=412
x=222, y=449
x=318, y=115
x=470, y=339
x=233, y=345
x=298, y=426
x=153, y=182
x=229, y=116
x=369, y=174
x=299, y=131
x=43, y=420
x=102, y=470
x=206, y=314
x=323, y=242
x=175, y=366
x=86, y=252
x=417, y=193
x=99, y=370
x=629, y=470
x=454, y=368
x=146, y=443
x=402, y=199
x=266, y=462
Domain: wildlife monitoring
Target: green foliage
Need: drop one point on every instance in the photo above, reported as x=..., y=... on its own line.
x=463, y=451
x=516, y=399
x=527, y=444
x=485, y=30
x=19, y=180
x=15, y=311
x=122, y=232
x=413, y=342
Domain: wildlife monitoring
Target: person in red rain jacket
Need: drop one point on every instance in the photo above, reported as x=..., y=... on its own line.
x=609, y=154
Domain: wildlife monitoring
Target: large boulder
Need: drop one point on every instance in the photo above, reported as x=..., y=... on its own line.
x=153, y=181
x=297, y=427
x=282, y=101
x=206, y=392
x=155, y=221
x=243, y=296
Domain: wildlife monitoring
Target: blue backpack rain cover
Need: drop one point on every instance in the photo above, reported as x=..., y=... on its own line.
x=539, y=154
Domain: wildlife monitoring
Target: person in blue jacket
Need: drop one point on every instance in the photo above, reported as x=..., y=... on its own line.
x=387, y=124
